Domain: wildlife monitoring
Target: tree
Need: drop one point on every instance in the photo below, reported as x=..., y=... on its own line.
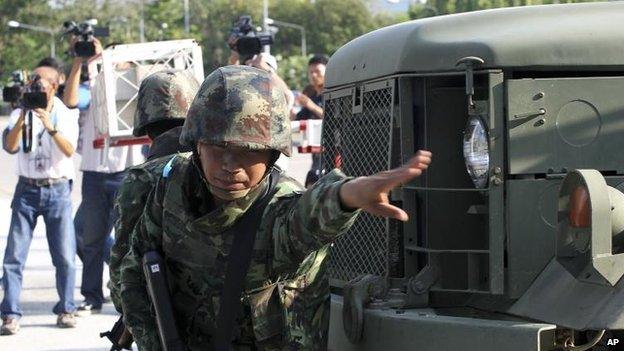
x=19, y=48
x=294, y=70
x=329, y=24
x=288, y=40
x=334, y=23
x=214, y=21
x=22, y=49
x=170, y=12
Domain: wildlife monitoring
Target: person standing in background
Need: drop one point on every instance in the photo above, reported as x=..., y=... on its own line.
x=312, y=107
x=45, y=170
x=103, y=173
x=312, y=104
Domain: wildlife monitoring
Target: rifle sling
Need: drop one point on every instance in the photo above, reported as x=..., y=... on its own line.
x=239, y=259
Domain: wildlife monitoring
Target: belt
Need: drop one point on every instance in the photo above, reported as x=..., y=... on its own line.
x=42, y=181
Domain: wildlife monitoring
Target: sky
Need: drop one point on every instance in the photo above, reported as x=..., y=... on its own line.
x=389, y=6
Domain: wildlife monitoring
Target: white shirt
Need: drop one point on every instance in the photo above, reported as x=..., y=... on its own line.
x=116, y=159
x=45, y=159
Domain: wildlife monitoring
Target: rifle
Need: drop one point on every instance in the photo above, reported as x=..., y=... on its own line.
x=154, y=269
x=119, y=335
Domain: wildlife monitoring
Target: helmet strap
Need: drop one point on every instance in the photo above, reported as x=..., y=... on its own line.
x=231, y=195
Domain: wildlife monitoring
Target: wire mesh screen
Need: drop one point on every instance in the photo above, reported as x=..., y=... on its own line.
x=359, y=144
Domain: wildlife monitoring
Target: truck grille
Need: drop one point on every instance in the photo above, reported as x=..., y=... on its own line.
x=359, y=144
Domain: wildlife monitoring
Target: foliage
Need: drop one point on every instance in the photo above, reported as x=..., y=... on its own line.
x=169, y=12
x=22, y=49
x=294, y=70
x=328, y=23
x=443, y=7
x=337, y=22
x=213, y=21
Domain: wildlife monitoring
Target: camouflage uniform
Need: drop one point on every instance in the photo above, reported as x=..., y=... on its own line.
x=164, y=97
x=164, y=100
x=166, y=144
x=236, y=105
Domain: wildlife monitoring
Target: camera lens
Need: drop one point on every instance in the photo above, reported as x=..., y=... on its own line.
x=84, y=48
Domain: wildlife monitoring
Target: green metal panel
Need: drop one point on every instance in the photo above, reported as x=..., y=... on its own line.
x=532, y=223
x=554, y=37
x=453, y=239
x=426, y=330
x=560, y=124
x=466, y=245
x=411, y=102
x=558, y=297
x=496, y=218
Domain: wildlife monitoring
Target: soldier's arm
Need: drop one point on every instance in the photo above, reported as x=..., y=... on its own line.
x=135, y=300
x=330, y=207
x=371, y=193
x=307, y=222
x=129, y=205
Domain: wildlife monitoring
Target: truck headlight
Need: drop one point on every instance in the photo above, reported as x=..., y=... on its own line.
x=477, y=152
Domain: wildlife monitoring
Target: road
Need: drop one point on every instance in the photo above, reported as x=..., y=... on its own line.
x=39, y=331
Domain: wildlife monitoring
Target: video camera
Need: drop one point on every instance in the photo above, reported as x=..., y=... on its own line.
x=12, y=93
x=30, y=96
x=34, y=95
x=86, y=32
x=250, y=42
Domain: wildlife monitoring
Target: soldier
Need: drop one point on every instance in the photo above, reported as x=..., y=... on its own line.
x=163, y=101
x=204, y=204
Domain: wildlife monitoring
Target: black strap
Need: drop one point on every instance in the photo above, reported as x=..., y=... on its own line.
x=244, y=232
x=27, y=133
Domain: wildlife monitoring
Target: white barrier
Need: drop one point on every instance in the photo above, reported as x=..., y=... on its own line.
x=123, y=67
x=311, y=130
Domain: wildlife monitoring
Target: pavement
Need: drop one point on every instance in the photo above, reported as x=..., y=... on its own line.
x=39, y=331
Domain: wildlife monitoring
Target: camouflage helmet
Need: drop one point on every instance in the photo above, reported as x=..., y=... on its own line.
x=239, y=106
x=164, y=95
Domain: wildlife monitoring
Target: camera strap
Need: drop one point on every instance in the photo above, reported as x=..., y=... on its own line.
x=27, y=130
x=27, y=133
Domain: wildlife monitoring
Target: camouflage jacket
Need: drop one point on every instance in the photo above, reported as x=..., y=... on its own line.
x=129, y=205
x=180, y=220
x=131, y=201
x=167, y=143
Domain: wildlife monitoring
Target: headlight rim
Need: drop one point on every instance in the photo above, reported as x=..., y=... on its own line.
x=480, y=182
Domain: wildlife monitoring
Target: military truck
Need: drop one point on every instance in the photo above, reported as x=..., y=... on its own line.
x=514, y=240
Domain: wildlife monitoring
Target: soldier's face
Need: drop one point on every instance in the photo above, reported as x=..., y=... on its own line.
x=233, y=169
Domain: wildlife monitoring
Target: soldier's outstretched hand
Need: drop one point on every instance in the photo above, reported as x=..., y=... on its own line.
x=371, y=193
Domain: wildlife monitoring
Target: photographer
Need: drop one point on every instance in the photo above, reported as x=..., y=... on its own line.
x=43, y=134
x=245, y=49
x=54, y=63
x=103, y=173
